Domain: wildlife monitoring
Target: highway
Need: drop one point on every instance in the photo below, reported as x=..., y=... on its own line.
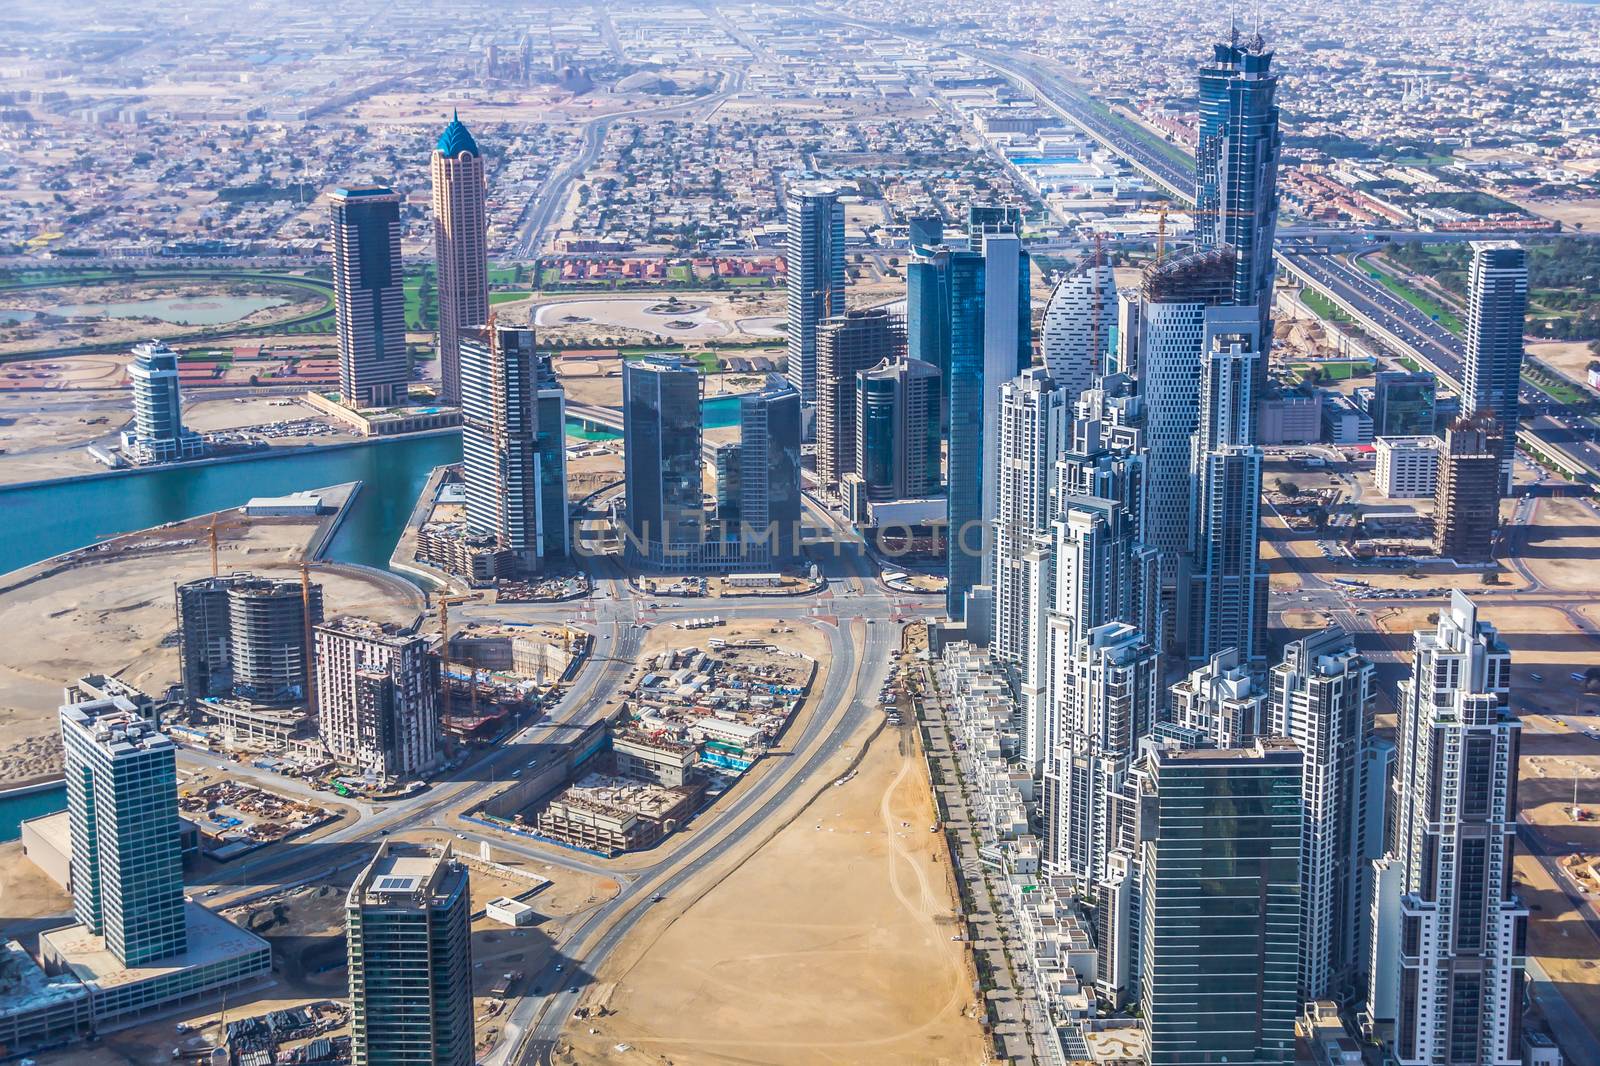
x=546, y=204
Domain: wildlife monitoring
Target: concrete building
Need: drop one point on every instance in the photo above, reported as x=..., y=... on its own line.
x=1221, y=701
x=498, y=387
x=1174, y=296
x=37, y=1011
x=897, y=446
x=662, y=443
x=378, y=698
x=1108, y=699
x=1219, y=837
x=847, y=344
x=1079, y=326
x=1344, y=423
x=158, y=434
x=408, y=929
x=1322, y=699
x=244, y=637
x=1407, y=467
x=369, y=296
x=816, y=276
x=1466, y=500
x=1492, y=371
x=460, y=246
x=1227, y=599
x=1463, y=930
x=1289, y=419
x=1032, y=433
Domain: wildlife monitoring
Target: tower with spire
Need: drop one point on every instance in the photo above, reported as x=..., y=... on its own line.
x=461, y=246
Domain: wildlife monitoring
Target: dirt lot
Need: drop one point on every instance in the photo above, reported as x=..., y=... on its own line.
x=26, y=893
x=1571, y=358
x=830, y=945
x=115, y=616
x=1563, y=545
x=44, y=434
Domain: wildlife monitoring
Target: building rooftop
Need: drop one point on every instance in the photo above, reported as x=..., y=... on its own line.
x=212, y=939
x=457, y=139
x=25, y=987
x=407, y=876
x=115, y=725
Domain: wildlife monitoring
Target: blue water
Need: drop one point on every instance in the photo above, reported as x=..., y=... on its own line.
x=719, y=412
x=45, y=520
x=14, y=810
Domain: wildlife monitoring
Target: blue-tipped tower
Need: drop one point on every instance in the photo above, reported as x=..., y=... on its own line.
x=457, y=139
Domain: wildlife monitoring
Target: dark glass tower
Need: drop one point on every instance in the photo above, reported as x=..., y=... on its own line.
x=1493, y=370
x=369, y=296
x=1220, y=910
x=964, y=283
x=1236, y=164
x=661, y=454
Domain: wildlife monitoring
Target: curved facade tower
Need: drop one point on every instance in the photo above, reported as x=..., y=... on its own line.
x=461, y=247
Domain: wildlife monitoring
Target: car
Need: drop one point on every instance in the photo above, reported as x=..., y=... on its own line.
x=1576, y=677
x=1537, y=677
x=560, y=967
x=657, y=898
x=573, y=990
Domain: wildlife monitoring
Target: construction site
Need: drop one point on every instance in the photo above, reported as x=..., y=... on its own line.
x=235, y=818
x=693, y=720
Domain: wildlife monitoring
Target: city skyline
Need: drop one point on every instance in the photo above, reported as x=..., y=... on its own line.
x=1073, y=524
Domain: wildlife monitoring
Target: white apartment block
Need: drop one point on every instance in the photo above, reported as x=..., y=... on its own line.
x=1408, y=467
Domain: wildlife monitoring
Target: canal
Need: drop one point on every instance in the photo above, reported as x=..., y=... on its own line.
x=39, y=521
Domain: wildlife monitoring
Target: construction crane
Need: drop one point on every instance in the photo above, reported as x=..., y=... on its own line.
x=444, y=649
x=213, y=529
x=305, y=621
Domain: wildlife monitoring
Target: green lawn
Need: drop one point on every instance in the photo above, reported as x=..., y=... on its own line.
x=1426, y=304
x=504, y=275
x=1321, y=306
x=681, y=272
x=1341, y=370
x=507, y=297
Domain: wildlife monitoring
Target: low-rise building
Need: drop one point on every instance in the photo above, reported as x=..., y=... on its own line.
x=1408, y=467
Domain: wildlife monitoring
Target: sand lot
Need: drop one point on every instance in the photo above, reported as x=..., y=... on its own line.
x=830, y=945
x=116, y=616
x=44, y=434
x=1563, y=545
x=1571, y=358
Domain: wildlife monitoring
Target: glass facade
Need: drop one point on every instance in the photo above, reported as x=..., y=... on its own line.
x=662, y=439
x=1221, y=905
x=964, y=507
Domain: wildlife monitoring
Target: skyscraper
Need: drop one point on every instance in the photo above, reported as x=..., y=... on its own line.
x=1219, y=833
x=661, y=454
x=847, y=344
x=1492, y=371
x=816, y=276
x=1228, y=588
x=1033, y=420
x=1236, y=170
x=245, y=636
x=158, y=434
x=378, y=698
x=369, y=296
x=1221, y=701
x=1079, y=321
x=554, y=509
x=1108, y=698
x=408, y=932
x=122, y=795
x=1466, y=501
x=1462, y=928
x=499, y=382
x=1322, y=699
x=460, y=245
x=897, y=430
x=769, y=473
x=944, y=312
x=990, y=343
x=1174, y=297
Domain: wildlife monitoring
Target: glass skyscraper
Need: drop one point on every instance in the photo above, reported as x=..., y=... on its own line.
x=409, y=941
x=1220, y=907
x=1492, y=371
x=964, y=286
x=661, y=430
x=816, y=276
x=122, y=795
x=499, y=383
